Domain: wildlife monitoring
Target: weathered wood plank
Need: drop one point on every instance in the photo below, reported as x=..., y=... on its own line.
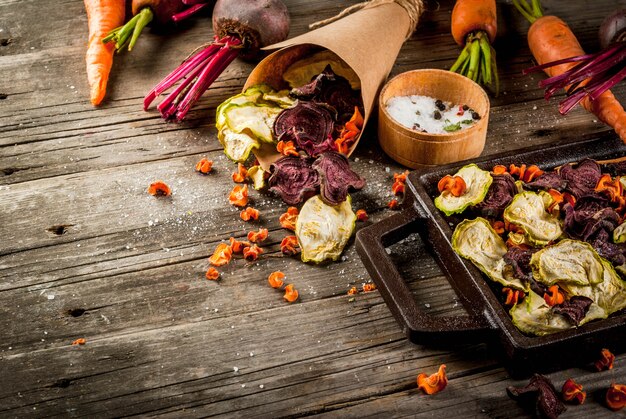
x=155, y=343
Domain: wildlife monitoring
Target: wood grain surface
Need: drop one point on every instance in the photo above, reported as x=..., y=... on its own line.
x=85, y=252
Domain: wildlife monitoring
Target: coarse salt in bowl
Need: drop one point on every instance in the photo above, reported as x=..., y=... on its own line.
x=414, y=148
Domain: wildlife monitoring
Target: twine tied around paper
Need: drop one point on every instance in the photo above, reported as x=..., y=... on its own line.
x=414, y=9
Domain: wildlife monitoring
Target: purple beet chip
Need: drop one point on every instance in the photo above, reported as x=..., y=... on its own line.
x=499, y=196
x=294, y=179
x=541, y=392
x=308, y=125
x=582, y=179
x=336, y=177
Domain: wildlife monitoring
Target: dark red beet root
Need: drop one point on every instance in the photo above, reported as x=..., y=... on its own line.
x=241, y=29
x=256, y=22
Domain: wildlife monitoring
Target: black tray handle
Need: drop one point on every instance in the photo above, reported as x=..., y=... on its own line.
x=419, y=326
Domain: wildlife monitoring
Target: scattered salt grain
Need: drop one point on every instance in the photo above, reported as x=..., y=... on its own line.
x=236, y=369
x=50, y=296
x=261, y=386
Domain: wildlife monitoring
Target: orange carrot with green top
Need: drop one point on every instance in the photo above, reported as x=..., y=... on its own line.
x=550, y=40
x=102, y=16
x=474, y=26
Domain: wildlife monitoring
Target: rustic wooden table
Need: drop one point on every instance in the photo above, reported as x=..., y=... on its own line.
x=85, y=252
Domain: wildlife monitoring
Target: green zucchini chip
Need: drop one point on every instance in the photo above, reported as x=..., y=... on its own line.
x=258, y=119
x=568, y=262
x=258, y=177
x=477, y=182
x=477, y=241
x=237, y=146
x=528, y=211
x=619, y=234
x=324, y=230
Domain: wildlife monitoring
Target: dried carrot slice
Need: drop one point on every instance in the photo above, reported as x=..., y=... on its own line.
x=499, y=169
x=237, y=246
x=517, y=170
x=249, y=214
x=289, y=246
x=79, y=341
x=159, y=188
x=251, y=253
x=572, y=392
x=434, y=383
x=222, y=255
x=453, y=184
x=361, y=215
x=291, y=294
x=398, y=188
x=258, y=236
x=612, y=187
x=400, y=177
x=239, y=196
x=606, y=360
x=353, y=291
x=393, y=204
x=287, y=148
x=531, y=173
x=369, y=287
x=204, y=166
x=616, y=397
x=212, y=274
x=512, y=296
x=349, y=133
x=498, y=226
x=553, y=296
x=288, y=219
x=276, y=279
x=241, y=174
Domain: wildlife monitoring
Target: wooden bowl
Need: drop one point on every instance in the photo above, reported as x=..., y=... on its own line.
x=416, y=149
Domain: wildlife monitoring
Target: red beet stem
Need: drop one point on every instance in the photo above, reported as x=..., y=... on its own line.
x=213, y=69
x=195, y=8
x=195, y=75
x=187, y=66
x=593, y=75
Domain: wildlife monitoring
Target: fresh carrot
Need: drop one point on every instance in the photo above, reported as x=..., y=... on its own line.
x=474, y=26
x=102, y=16
x=549, y=40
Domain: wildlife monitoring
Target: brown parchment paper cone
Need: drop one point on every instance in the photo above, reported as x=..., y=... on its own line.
x=368, y=41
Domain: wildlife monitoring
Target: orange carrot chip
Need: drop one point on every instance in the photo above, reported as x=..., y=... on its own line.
x=251, y=253
x=289, y=246
x=239, y=196
x=204, y=166
x=212, y=274
x=572, y=392
x=276, y=279
x=159, y=188
x=249, y=214
x=257, y=236
x=434, y=383
x=291, y=294
x=222, y=255
x=288, y=219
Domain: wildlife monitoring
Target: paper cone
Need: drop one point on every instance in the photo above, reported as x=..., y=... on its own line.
x=368, y=41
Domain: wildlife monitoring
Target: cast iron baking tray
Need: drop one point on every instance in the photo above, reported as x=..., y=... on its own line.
x=487, y=319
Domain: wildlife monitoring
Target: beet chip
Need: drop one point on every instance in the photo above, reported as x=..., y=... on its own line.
x=336, y=177
x=294, y=179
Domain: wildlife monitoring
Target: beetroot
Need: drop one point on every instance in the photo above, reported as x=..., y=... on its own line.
x=293, y=179
x=241, y=29
x=308, y=125
x=336, y=177
x=330, y=89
